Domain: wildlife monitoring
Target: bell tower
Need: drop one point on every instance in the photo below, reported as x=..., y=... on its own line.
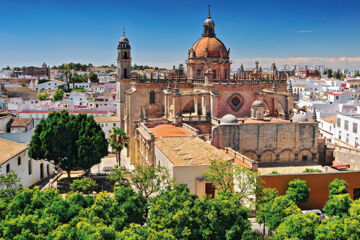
x=124, y=58
x=124, y=76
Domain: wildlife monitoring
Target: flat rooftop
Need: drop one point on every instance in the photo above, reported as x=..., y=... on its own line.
x=288, y=169
x=265, y=120
x=169, y=130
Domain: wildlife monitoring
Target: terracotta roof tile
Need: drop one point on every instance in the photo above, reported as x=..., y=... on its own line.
x=9, y=149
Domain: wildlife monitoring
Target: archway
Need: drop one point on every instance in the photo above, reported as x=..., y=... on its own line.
x=268, y=156
x=287, y=156
x=305, y=155
x=251, y=155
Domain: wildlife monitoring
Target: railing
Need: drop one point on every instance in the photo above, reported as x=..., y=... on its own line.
x=244, y=159
x=185, y=80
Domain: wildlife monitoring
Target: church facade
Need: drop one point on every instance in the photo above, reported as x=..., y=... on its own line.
x=201, y=97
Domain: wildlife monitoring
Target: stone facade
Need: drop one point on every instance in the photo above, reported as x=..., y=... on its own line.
x=196, y=99
x=269, y=142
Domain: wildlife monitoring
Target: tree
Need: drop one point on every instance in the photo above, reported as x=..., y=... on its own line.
x=298, y=226
x=118, y=140
x=9, y=184
x=329, y=73
x=338, y=205
x=336, y=187
x=70, y=141
x=189, y=217
x=84, y=185
x=93, y=77
x=180, y=69
x=277, y=210
x=42, y=96
x=228, y=176
x=58, y=95
x=298, y=191
x=264, y=197
x=150, y=180
x=118, y=176
x=331, y=229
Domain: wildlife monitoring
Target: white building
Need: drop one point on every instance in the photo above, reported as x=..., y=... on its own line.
x=83, y=85
x=339, y=97
x=107, y=124
x=47, y=85
x=347, y=132
x=14, y=156
x=78, y=99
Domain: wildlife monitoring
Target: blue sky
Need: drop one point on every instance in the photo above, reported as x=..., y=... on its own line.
x=161, y=31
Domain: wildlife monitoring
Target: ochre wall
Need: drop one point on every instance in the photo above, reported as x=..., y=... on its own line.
x=317, y=182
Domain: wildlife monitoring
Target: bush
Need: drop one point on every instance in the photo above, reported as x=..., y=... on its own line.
x=84, y=185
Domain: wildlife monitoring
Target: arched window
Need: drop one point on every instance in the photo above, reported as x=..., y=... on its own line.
x=214, y=71
x=8, y=168
x=48, y=169
x=30, y=166
x=19, y=160
x=125, y=73
x=152, y=97
x=125, y=55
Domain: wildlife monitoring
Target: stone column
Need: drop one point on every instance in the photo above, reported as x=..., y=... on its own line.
x=195, y=105
x=203, y=106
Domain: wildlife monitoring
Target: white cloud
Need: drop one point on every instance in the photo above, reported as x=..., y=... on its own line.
x=332, y=62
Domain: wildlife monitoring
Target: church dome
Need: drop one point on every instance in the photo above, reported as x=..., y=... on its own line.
x=298, y=117
x=209, y=21
x=214, y=46
x=257, y=103
x=124, y=39
x=228, y=119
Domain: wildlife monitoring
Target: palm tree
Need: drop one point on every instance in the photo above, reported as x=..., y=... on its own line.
x=118, y=140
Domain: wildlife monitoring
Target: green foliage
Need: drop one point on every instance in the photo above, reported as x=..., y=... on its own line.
x=189, y=217
x=227, y=176
x=118, y=176
x=74, y=66
x=311, y=170
x=143, y=67
x=338, y=205
x=277, y=209
x=42, y=96
x=76, y=78
x=84, y=185
x=331, y=229
x=78, y=90
x=329, y=73
x=298, y=191
x=265, y=197
x=118, y=140
x=274, y=172
x=150, y=180
x=336, y=187
x=71, y=141
x=298, y=226
x=93, y=77
x=9, y=184
x=58, y=95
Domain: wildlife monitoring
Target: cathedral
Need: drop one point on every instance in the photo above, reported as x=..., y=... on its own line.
x=199, y=98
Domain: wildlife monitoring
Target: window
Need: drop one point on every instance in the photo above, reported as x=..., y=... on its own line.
x=210, y=189
x=214, y=71
x=337, y=97
x=198, y=73
x=346, y=125
x=304, y=158
x=125, y=73
x=339, y=122
x=19, y=160
x=30, y=166
x=114, y=124
x=48, y=169
x=152, y=97
x=8, y=168
x=355, y=127
x=41, y=171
